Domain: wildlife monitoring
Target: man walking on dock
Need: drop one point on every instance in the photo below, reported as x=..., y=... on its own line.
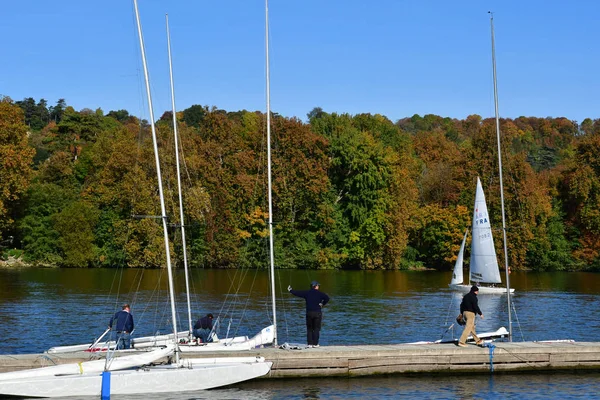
x=469, y=307
x=315, y=300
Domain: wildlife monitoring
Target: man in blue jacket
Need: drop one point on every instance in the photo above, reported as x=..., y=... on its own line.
x=203, y=328
x=315, y=300
x=124, y=326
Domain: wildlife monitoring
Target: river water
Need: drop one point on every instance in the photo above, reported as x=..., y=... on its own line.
x=40, y=308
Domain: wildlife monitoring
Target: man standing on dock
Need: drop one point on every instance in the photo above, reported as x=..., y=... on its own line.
x=468, y=308
x=315, y=300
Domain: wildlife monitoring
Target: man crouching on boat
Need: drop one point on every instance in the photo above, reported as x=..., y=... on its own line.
x=202, y=328
x=124, y=327
x=468, y=308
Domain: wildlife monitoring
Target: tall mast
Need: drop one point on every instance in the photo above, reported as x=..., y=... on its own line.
x=176, y=135
x=501, y=184
x=159, y=177
x=268, y=89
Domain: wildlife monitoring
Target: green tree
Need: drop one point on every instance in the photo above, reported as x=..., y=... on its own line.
x=194, y=115
x=75, y=225
x=40, y=238
x=56, y=112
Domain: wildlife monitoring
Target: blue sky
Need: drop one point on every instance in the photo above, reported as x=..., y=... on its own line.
x=392, y=57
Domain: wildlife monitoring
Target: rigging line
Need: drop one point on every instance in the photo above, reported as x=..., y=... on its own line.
x=284, y=306
x=226, y=302
x=518, y=322
x=245, y=272
x=448, y=315
x=245, y=307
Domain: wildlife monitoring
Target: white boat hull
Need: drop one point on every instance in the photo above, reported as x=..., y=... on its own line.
x=265, y=336
x=501, y=333
x=90, y=367
x=189, y=375
x=141, y=342
x=482, y=289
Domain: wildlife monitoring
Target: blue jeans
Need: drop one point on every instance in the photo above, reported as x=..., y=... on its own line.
x=202, y=334
x=123, y=341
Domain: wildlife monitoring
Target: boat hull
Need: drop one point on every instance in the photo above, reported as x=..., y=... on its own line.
x=264, y=337
x=190, y=375
x=482, y=289
x=91, y=367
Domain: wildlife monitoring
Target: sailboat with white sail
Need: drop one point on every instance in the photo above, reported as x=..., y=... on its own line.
x=135, y=376
x=483, y=268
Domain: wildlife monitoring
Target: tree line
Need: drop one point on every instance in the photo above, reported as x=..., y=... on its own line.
x=349, y=191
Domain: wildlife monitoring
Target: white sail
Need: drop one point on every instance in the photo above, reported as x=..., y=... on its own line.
x=457, y=274
x=484, y=264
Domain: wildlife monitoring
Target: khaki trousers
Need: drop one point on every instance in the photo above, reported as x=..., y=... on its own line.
x=469, y=328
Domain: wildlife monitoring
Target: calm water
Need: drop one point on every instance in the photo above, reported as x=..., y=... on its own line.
x=40, y=308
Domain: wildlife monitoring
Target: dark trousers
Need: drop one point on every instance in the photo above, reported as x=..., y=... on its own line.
x=313, y=326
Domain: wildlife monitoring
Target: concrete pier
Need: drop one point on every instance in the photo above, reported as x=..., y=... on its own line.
x=351, y=361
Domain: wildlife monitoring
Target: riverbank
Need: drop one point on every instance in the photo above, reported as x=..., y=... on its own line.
x=14, y=262
x=18, y=262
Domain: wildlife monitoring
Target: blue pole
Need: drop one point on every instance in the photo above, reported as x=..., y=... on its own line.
x=105, y=393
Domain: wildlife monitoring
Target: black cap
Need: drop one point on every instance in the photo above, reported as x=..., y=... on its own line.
x=474, y=288
x=314, y=284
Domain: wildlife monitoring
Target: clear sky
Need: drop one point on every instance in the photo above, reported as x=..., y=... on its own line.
x=393, y=57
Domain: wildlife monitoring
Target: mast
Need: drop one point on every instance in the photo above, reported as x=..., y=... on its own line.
x=159, y=178
x=268, y=90
x=176, y=135
x=500, y=172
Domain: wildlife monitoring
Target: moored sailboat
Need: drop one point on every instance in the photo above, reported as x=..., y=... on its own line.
x=139, y=374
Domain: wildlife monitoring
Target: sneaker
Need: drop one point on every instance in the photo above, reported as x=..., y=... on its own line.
x=309, y=346
x=316, y=345
x=461, y=344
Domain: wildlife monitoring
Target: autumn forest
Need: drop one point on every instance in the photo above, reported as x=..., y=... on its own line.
x=79, y=189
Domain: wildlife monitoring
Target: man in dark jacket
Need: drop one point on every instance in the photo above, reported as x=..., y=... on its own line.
x=124, y=327
x=203, y=327
x=315, y=300
x=469, y=307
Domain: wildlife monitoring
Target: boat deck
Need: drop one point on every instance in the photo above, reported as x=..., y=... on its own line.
x=350, y=361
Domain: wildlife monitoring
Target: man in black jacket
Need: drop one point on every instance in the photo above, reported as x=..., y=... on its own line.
x=469, y=307
x=315, y=300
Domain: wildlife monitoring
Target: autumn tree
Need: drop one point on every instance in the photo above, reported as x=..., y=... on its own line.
x=15, y=162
